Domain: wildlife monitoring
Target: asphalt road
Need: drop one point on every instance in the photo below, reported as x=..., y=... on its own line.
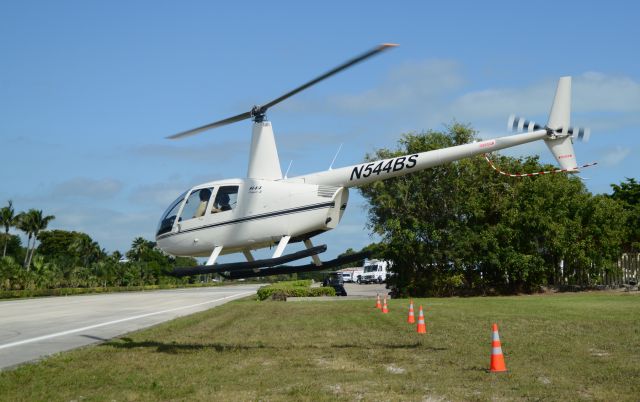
x=370, y=291
x=33, y=328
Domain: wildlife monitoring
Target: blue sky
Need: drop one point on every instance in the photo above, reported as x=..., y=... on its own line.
x=89, y=90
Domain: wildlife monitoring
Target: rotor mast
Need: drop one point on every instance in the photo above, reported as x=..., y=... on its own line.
x=264, y=162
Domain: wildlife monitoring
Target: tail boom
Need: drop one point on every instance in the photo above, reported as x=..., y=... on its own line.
x=365, y=173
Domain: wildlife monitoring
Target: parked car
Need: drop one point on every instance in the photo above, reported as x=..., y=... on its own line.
x=335, y=281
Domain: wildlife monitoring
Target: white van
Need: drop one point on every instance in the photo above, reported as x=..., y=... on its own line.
x=352, y=274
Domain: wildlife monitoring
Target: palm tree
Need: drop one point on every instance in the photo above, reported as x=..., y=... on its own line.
x=7, y=219
x=87, y=249
x=138, y=247
x=32, y=223
x=24, y=223
x=116, y=256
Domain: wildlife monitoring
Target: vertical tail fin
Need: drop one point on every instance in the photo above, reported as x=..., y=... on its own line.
x=561, y=145
x=560, y=114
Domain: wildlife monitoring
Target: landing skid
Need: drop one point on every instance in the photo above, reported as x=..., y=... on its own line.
x=271, y=266
x=248, y=265
x=288, y=269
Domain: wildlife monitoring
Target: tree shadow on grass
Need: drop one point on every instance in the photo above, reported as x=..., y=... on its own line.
x=175, y=348
x=411, y=345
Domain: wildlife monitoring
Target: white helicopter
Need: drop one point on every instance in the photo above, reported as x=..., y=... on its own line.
x=266, y=209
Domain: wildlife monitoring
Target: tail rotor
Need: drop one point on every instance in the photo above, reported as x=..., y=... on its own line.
x=560, y=134
x=519, y=124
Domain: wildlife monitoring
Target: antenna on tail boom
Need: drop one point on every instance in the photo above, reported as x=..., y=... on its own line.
x=335, y=156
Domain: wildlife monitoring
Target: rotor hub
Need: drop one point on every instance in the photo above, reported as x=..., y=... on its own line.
x=258, y=113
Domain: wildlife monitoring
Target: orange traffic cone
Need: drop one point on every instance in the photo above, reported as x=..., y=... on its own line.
x=378, y=305
x=497, y=358
x=385, y=309
x=412, y=318
x=422, y=327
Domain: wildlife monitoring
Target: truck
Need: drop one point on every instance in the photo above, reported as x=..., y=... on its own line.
x=375, y=271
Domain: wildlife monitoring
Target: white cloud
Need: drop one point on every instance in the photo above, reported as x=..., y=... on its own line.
x=614, y=156
x=407, y=84
x=597, y=92
x=433, y=92
x=615, y=99
x=85, y=187
x=218, y=152
x=112, y=229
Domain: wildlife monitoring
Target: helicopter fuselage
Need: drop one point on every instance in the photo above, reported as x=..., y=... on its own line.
x=260, y=214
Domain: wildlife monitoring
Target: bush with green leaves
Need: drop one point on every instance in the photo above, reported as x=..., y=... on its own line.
x=300, y=288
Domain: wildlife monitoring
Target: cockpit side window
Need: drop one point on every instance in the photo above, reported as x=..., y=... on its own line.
x=226, y=199
x=196, y=204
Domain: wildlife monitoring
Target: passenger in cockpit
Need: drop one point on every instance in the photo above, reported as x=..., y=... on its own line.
x=221, y=203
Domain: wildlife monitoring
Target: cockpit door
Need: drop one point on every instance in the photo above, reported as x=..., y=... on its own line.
x=195, y=209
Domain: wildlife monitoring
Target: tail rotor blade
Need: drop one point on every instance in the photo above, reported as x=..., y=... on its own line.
x=581, y=133
x=510, y=123
x=519, y=124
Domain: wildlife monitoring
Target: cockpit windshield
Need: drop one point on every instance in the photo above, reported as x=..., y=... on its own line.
x=169, y=216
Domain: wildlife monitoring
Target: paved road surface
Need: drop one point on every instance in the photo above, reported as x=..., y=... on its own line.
x=33, y=328
x=353, y=289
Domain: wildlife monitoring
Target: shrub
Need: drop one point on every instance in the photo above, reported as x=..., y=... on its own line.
x=299, y=288
x=13, y=294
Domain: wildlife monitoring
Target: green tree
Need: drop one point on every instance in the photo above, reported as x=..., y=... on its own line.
x=24, y=222
x=628, y=193
x=460, y=227
x=419, y=215
x=14, y=247
x=139, y=247
x=87, y=250
x=69, y=248
x=34, y=223
x=116, y=256
x=8, y=219
x=604, y=235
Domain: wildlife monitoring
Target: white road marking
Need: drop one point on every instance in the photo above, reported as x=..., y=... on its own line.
x=73, y=331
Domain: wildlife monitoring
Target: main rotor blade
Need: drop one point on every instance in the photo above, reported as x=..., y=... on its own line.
x=229, y=120
x=260, y=110
x=328, y=74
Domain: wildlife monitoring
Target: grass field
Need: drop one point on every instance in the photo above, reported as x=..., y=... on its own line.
x=557, y=348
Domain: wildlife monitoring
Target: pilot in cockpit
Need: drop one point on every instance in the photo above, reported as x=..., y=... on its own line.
x=204, y=195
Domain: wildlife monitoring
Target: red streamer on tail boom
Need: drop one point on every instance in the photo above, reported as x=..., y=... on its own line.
x=536, y=173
